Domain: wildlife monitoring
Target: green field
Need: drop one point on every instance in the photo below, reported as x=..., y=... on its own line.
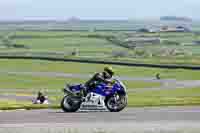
x=95, y=45
x=85, y=46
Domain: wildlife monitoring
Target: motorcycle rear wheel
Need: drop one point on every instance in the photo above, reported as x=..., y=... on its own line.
x=70, y=103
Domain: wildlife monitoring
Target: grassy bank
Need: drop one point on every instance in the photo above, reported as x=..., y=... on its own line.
x=84, y=68
x=24, y=82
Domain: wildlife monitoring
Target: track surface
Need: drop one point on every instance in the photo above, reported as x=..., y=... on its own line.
x=131, y=119
x=128, y=115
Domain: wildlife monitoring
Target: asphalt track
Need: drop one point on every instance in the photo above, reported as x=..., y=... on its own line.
x=151, y=119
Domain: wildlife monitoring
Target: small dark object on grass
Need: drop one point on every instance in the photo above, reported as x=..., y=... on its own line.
x=158, y=76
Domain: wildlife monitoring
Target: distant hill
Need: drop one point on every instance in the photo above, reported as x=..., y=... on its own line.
x=74, y=19
x=175, y=18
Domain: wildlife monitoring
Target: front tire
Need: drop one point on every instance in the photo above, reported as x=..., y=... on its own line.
x=70, y=103
x=114, y=106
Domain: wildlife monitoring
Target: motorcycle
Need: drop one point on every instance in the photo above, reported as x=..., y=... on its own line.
x=104, y=97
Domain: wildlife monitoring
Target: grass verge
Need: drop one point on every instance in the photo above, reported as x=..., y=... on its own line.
x=177, y=97
x=14, y=105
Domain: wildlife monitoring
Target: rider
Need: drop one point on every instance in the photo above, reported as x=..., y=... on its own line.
x=105, y=77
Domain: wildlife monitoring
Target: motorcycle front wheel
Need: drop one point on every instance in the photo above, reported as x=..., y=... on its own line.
x=114, y=105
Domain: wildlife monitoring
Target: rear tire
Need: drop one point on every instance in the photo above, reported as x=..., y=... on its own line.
x=70, y=103
x=118, y=108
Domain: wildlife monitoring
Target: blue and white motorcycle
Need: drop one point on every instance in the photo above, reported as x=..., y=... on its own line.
x=104, y=97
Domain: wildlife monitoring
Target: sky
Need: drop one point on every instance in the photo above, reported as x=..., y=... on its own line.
x=97, y=9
